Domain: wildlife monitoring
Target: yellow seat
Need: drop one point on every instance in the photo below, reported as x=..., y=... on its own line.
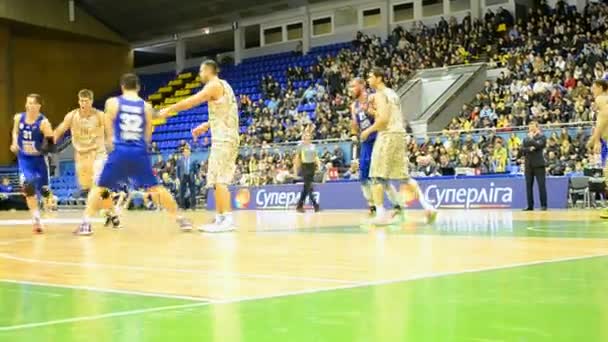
x=193, y=85
x=159, y=121
x=176, y=83
x=182, y=92
x=184, y=76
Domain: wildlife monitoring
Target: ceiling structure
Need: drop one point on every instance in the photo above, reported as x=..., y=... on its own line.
x=141, y=20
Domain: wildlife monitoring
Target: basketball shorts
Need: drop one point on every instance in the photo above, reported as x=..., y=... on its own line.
x=365, y=159
x=604, y=156
x=389, y=160
x=222, y=163
x=126, y=164
x=88, y=168
x=34, y=170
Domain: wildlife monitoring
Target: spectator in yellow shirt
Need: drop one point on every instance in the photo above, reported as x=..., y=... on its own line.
x=499, y=157
x=514, y=142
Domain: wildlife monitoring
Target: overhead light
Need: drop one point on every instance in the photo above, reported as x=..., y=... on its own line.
x=205, y=30
x=71, y=11
x=153, y=45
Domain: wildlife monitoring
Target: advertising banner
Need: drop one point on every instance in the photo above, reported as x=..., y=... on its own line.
x=458, y=193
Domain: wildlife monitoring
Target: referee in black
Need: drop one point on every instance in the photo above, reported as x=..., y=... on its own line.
x=533, y=151
x=307, y=162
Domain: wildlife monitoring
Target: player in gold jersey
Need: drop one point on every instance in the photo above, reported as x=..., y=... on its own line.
x=224, y=125
x=388, y=160
x=87, y=127
x=600, y=133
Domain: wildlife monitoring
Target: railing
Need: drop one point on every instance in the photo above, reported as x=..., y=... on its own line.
x=545, y=127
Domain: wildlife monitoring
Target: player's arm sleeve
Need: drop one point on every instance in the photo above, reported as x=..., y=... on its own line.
x=63, y=127
x=209, y=92
x=49, y=145
x=149, y=126
x=16, y=128
x=100, y=131
x=111, y=109
x=354, y=127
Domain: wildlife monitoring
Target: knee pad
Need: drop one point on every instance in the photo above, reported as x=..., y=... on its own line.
x=29, y=189
x=105, y=194
x=45, y=191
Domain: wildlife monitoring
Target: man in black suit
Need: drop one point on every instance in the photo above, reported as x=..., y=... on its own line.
x=532, y=149
x=186, y=171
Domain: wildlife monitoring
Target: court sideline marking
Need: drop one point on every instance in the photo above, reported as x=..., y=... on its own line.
x=287, y=294
x=102, y=316
x=105, y=290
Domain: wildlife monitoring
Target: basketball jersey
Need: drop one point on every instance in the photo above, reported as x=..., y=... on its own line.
x=130, y=124
x=604, y=135
x=30, y=138
x=364, y=120
x=395, y=120
x=224, y=117
x=85, y=130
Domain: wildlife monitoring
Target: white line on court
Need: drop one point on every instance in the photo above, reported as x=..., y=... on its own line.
x=542, y=229
x=102, y=316
x=410, y=278
x=103, y=290
x=176, y=270
x=285, y=294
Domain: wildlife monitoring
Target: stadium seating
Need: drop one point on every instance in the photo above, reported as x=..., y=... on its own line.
x=245, y=80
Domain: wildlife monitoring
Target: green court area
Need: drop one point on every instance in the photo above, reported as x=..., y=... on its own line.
x=559, y=301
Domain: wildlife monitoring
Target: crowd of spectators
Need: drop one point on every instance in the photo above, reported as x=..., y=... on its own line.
x=566, y=153
x=491, y=152
x=276, y=119
x=549, y=62
x=549, y=59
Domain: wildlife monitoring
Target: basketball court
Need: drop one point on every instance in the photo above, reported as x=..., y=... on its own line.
x=473, y=276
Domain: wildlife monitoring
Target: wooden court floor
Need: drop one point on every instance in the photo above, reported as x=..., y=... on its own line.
x=279, y=256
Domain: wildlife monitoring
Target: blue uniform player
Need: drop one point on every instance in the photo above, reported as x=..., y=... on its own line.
x=32, y=139
x=361, y=120
x=128, y=132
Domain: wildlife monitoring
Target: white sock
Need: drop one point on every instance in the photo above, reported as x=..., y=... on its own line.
x=393, y=195
x=86, y=219
x=36, y=215
x=228, y=217
x=218, y=218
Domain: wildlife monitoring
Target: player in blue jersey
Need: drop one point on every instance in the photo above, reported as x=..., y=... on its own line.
x=362, y=120
x=128, y=128
x=32, y=140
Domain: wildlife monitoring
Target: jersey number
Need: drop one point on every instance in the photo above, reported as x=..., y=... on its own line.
x=131, y=126
x=364, y=120
x=27, y=135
